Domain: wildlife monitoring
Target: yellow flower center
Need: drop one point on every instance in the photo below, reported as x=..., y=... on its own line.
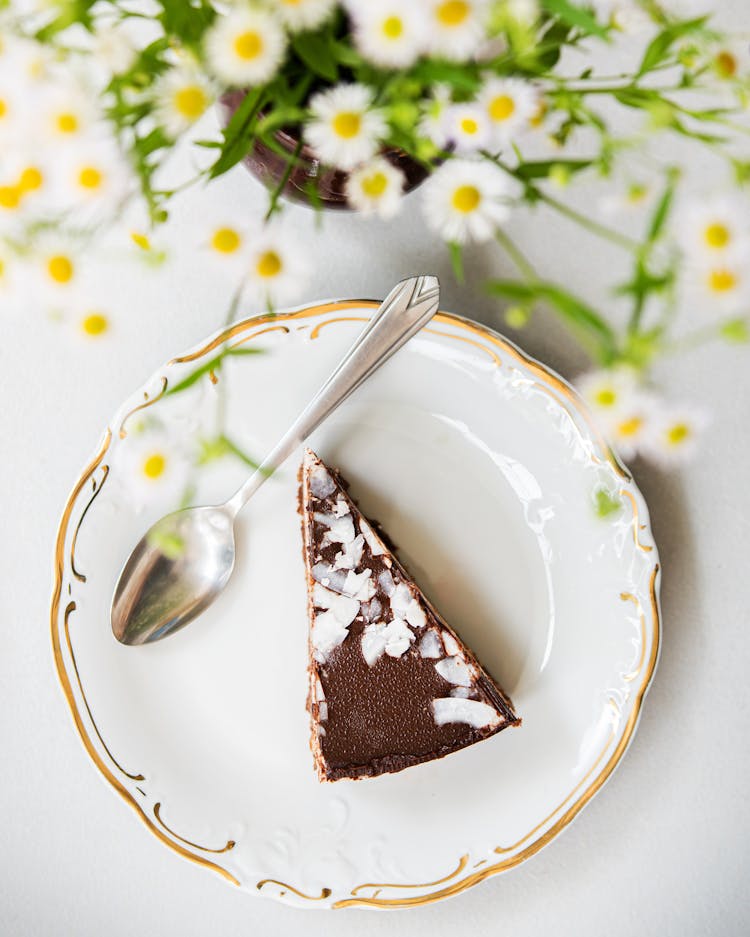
x=248, y=45
x=726, y=64
x=94, y=324
x=393, y=27
x=67, y=122
x=630, y=427
x=30, y=179
x=225, y=240
x=3, y=108
x=347, y=124
x=469, y=126
x=375, y=185
x=2, y=268
x=502, y=107
x=605, y=397
x=452, y=12
x=154, y=465
x=90, y=177
x=269, y=264
x=141, y=240
x=637, y=193
x=466, y=198
x=717, y=235
x=722, y=281
x=190, y=102
x=10, y=196
x=60, y=268
x=678, y=434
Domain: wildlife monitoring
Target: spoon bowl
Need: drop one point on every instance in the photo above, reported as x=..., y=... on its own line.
x=175, y=571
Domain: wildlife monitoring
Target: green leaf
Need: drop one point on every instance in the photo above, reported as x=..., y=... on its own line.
x=573, y=15
x=211, y=365
x=659, y=48
x=663, y=208
x=574, y=311
x=186, y=21
x=238, y=133
x=315, y=51
x=542, y=169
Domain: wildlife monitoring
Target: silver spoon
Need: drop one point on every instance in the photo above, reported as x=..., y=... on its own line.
x=184, y=561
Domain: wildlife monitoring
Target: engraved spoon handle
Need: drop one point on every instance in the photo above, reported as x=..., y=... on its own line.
x=409, y=306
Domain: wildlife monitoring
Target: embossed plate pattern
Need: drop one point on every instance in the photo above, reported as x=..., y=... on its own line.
x=484, y=468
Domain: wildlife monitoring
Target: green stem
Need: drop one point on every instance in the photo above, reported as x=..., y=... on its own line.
x=278, y=191
x=516, y=255
x=621, y=240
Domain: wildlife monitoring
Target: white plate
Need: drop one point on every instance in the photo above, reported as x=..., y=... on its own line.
x=484, y=468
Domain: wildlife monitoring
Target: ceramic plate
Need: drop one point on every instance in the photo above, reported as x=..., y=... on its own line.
x=487, y=472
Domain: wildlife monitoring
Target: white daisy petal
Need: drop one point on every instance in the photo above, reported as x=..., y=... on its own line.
x=376, y=188
x=456, y=27
x=714, y=228
x=467, y=127
x=246, y=46
x=389, y=34
x=673, y=434
x=278, y=267
x=345, y=130
x=510, y=105
x=299, y=15
x=467, y=200
x=182, y=96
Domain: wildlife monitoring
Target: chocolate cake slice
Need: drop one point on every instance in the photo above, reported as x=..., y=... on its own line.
x=391, y=684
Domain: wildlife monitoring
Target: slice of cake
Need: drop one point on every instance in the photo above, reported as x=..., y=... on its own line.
x=391, y=684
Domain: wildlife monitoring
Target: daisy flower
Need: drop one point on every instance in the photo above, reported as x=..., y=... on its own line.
x=510, y=105
x=70, y=115
x=389, y=34
x=246, y=46
x=467, y=127
x=277, y=268
x=58, y=262
x=93, y=324
x=673, y=435
x=303, y=14
x=97, y=176
x=731, y=60
x=713, y=228
x=182, y=96
x=376, y=188
x=626, y=15
x=613, y=395
x=722, y=286
x=153, y=467
x=629, y=426
x=345, y=130
x=631, y=196
x=455, y=28
x=465, y=200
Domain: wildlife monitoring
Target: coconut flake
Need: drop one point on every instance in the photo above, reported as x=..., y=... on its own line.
x=329, y=577
x=386, y=583
x=322, y=710
x=327, y=633
x=472, y=712
x=372, y=610
x=460, y=692
x=359, y=585
x=451, y=645
x=340, y=508
x=373, y=541
x=455, y=670
x=405, y=605
x=351, y=554
x=321, y=483
x=393, y=639
x=340, y=529
x=430, y=645
x=343, y=607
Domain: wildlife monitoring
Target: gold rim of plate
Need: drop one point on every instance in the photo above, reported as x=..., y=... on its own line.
x=459, y=879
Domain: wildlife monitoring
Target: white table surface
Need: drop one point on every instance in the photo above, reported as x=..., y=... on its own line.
x=662, y=850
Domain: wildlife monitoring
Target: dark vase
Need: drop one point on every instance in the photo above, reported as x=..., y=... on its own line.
x=328, y=183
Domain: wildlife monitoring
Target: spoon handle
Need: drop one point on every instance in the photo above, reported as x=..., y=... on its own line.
x=409, y=306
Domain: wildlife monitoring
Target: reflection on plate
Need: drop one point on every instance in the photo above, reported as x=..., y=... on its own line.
x=485, y=469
